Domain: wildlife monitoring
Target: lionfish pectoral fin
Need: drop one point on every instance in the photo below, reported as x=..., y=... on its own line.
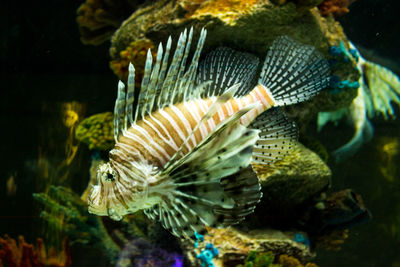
x=222, y=99
x=199, y=197
x=223, y=68
x=276, y=137
x=293, y=72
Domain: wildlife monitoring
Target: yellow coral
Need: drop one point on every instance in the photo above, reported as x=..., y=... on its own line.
x=228, y=10
x=388, y=148
x=289, y=261
x=136, y=53
x=97, y=131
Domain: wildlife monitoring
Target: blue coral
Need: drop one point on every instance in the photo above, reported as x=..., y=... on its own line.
x=337, y=85
x=300, y=238
x=207, y=255
x=199, y=238
x=341, y=52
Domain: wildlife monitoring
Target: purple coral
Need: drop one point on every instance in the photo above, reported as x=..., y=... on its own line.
x=140, y=252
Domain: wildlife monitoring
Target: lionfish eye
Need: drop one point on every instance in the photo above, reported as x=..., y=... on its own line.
x=110, y=177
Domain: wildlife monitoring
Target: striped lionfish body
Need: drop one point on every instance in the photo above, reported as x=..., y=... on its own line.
x=158, y=136
x=183, y=157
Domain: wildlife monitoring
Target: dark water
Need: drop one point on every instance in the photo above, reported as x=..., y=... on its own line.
x=43, y=63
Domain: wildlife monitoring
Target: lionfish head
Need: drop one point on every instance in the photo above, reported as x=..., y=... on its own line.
x=115, y=194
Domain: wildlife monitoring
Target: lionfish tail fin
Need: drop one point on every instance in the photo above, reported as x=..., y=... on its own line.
x=293, y=72
x=199, y=196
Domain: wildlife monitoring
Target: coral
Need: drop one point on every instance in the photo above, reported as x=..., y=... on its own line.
x=379, y=90
x=388, y=151
x=97, y=131
x=140, y=252
x=315, y=146
x=65, y=210
x=24, y=254
x=98, y=19
x=338, y=86
x=289, y=261
x=135, y=53
x=199, y=239
x=71, y=117
x=299, y=237
x=259, y=259
x=233, y=243
x=335, y=7
x=363, y=128
x=267, y=259
x=229, y=10
x=207, y=255
x=302, y=175
x=332, y=240
x=248, y=26
x=254, y=25
x=383, y=89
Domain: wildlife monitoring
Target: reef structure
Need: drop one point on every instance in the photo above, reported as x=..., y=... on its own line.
x=378, y=93
x=251, y=26
x=25, y=254
x=98, y=19
x=96, y=131
x=335, y=7
x=248, y=26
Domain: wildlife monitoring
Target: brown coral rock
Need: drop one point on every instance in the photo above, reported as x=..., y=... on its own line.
x=136, y=52
x=233, y=242
x=98, y=19
x=249, y=26
x=335, y=7
x=302, y=174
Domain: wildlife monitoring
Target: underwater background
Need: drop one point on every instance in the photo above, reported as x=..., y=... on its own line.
x=56, y=73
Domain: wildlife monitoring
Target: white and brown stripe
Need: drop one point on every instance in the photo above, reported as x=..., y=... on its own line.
x=158, y=136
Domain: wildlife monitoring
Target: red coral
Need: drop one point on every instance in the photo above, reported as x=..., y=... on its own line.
x=335, y=7
x=26, y=255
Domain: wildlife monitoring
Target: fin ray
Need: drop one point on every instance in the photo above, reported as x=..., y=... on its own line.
x=225, y=67
x=276, y=136
x=199, y=193
x=293, y=72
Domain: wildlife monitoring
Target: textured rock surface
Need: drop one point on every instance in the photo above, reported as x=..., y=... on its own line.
x=234, y=244
x=289, y=184
x=249, y=26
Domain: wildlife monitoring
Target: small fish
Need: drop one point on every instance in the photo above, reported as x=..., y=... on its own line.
x=183, y=155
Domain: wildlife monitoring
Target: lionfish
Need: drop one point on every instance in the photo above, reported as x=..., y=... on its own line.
x=184, y=155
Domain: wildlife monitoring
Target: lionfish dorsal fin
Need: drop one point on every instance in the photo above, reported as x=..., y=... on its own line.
x=225, y=67
x=198, y=197
x=163, y=84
